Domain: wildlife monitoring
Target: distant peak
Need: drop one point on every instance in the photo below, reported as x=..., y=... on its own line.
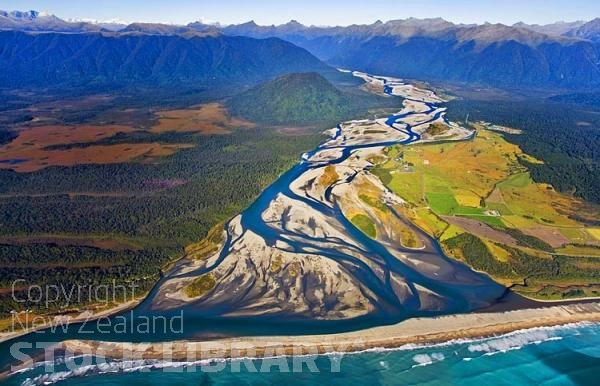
x=24, y=15
x=30, y=15
x=594, y=21
x=293, y=25
x=94, y=21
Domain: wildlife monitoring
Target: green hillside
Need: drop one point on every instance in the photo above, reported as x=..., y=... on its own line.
x=301, y=98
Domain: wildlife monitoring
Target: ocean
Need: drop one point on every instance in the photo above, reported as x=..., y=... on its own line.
x=565, y=355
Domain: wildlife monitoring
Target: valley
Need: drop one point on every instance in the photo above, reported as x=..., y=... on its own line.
x=467, y=188
x=351, y=237
x=189, y=197
x=92, y=201
x=426, y=194
x=301, y=227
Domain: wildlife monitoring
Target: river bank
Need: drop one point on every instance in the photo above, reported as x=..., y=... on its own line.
x=296, y=251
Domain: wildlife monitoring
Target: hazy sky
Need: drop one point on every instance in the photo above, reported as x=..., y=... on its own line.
x=318, y=12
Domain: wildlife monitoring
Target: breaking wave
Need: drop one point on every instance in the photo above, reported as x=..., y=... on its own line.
x=483, y=346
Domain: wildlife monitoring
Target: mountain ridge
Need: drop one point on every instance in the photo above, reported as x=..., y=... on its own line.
x=437, y=50
x=588, y=31
x=42, y=21
x=433, y=49
x=560, y=28
x=63, y=59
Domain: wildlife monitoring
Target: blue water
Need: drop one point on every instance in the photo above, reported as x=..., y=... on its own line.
x=568, y=355
x=392, y=367
x=465, y=291
x=203, y=322
x=14, y=161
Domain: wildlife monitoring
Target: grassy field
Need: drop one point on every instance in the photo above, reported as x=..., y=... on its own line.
x=595, y=232
x=484, y=182
x=430, y=222
x=365, y=224
x=365, y=207
x=210, y=118
x=40, y=147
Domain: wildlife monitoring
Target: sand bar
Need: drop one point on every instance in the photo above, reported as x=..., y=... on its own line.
x=413, y=331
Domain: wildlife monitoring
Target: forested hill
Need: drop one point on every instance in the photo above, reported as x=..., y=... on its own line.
x=301, y=98
x=295, y=98
x=115, y=59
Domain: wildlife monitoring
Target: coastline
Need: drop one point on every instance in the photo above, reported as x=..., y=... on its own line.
x=527, y=314
x=419, y=331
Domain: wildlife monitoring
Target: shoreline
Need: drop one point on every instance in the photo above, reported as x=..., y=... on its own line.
x=419, y=331
x=498, y=319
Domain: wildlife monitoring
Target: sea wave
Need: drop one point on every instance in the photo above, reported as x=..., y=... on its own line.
x=486, y=346
x=458, y=342
x=427, y=359
x=109, y=367
x=520, y=338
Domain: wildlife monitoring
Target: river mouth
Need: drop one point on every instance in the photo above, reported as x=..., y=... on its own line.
x=298, y=253
x=332, y=277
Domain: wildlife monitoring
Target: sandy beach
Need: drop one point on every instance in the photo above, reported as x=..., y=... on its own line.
x=292, y=253
x=413, y=331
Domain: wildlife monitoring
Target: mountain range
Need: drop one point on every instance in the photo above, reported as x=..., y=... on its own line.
x=435, y=49
x=40, y=21
x=560, y=55
x=30, y=59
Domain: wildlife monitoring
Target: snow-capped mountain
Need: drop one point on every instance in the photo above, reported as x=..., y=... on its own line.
x=111, y=24
x=42, y=21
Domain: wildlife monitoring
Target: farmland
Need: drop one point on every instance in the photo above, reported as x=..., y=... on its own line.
x=483, y=189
